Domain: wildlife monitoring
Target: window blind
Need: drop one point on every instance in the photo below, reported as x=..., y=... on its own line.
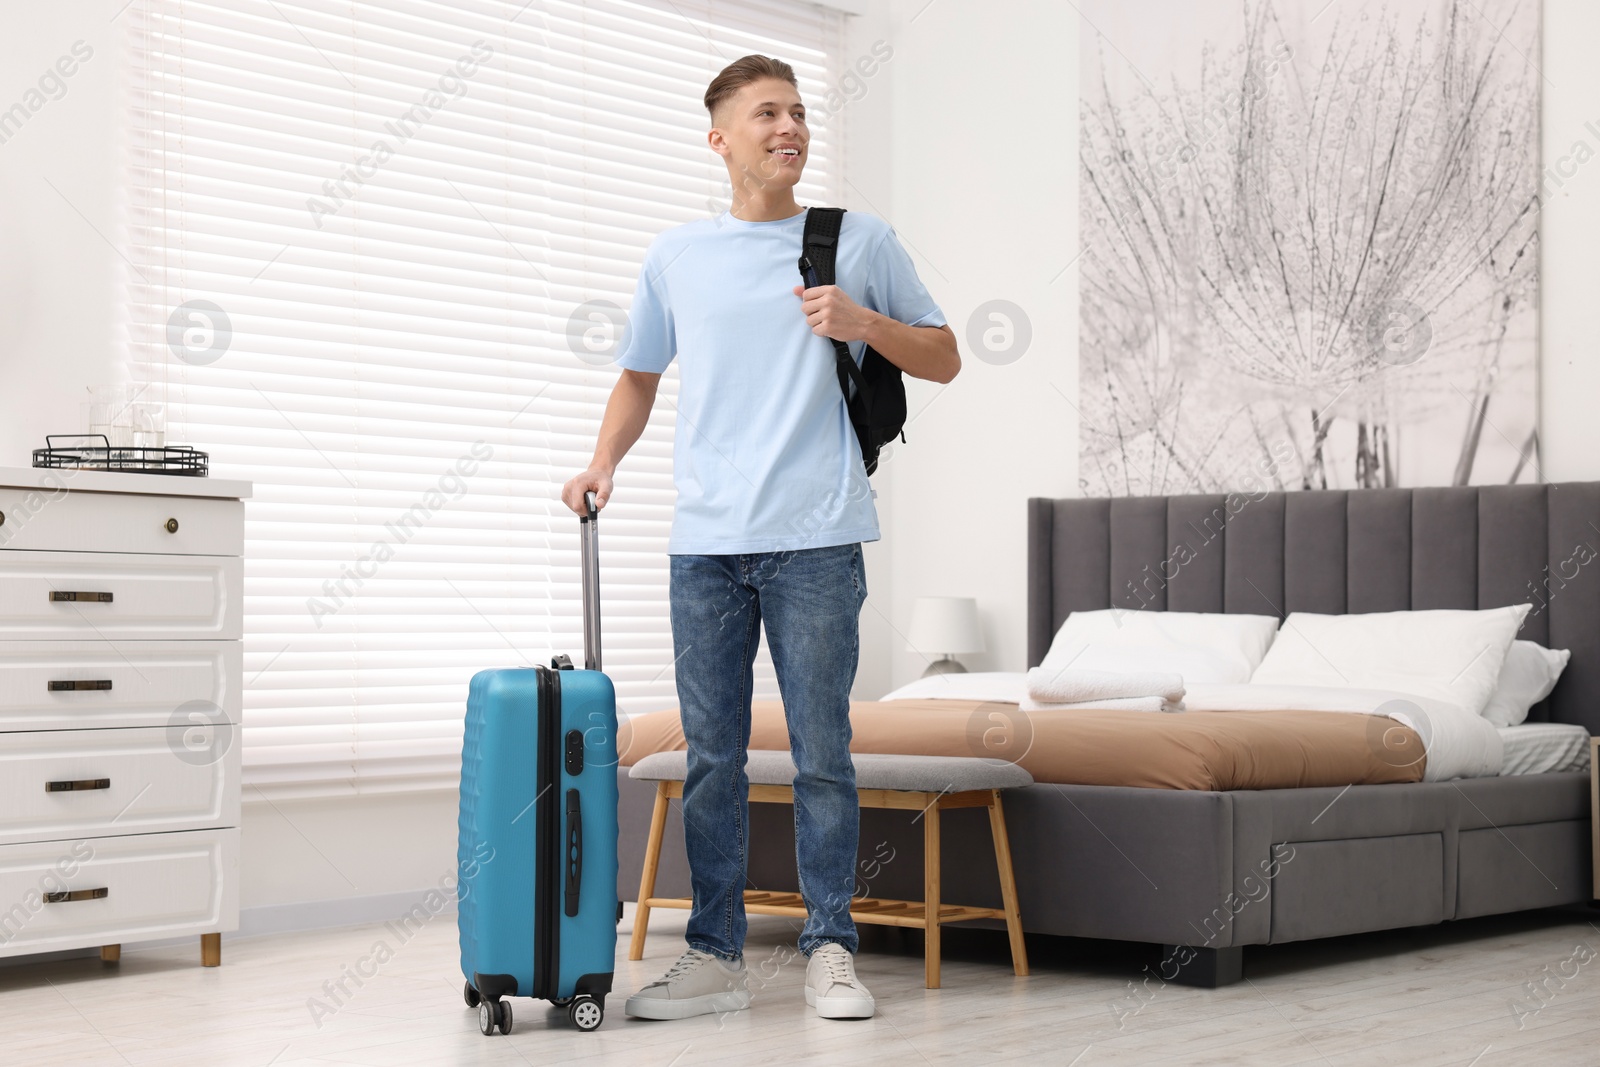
x=376, y=254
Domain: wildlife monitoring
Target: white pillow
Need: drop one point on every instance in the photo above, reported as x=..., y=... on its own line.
x=1529, y=673
x=1204, y=647
x=1453, y=656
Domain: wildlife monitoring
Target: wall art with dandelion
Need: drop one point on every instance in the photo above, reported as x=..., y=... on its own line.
x=1310, y=237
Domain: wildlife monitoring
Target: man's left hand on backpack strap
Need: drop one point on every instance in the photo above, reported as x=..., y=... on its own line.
x=927, y=352
x=831, y=313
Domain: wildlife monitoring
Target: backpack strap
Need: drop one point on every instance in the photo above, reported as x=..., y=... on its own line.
x=819, y=249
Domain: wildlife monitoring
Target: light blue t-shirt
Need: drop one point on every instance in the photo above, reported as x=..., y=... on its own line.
x=764, y=458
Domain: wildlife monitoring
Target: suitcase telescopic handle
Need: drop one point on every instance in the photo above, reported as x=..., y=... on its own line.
x=588, y=534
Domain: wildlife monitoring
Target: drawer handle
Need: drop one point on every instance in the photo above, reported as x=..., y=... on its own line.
x=74, y=785
x=172, y=525
x=62, y=596
x=77, y=894
x=70, y=685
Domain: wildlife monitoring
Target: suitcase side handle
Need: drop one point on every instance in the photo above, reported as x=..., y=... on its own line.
x=572, y=854
x=588, y=536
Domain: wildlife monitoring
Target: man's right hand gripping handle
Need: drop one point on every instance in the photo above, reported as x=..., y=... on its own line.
x=599, y=481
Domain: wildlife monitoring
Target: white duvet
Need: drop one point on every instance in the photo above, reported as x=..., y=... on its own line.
x=1459, y=744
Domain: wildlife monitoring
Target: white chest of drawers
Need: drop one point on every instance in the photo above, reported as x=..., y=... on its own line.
x=120, y=699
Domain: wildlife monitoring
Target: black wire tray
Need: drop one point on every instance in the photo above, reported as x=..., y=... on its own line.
x=171, y=459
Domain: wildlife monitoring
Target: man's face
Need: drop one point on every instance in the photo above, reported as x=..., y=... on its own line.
x=764, y=134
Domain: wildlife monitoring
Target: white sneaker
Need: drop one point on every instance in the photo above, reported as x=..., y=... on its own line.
x=698, y=984
x=832, y=986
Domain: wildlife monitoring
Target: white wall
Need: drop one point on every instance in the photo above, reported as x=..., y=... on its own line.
x=984, y=156
x=965, y=140
x=1569, y=318
x=60, y=280
x=364, y=849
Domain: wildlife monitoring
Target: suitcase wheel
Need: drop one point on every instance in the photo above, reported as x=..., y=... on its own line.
x=586, y=1013
x=470, y=995
x=493, y=1014
x=561, y=1002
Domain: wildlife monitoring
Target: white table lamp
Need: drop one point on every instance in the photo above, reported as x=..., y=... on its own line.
x=947, y=625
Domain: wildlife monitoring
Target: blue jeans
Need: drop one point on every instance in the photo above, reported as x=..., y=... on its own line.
x=811, y=602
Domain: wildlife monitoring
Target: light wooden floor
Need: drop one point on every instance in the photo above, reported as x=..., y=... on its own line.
x=1443, y=995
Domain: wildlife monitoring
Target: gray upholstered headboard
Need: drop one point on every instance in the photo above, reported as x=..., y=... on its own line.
x=1335, y=552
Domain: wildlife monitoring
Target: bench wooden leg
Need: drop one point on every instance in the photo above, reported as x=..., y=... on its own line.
x=647, y=881
x=111, y=953
x=1008, y=884
x=211, y=950
x=930, y=893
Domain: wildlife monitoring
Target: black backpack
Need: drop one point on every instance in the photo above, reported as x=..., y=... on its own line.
x=878, y=409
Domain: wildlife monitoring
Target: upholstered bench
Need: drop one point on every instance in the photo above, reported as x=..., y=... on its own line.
x=925, y=784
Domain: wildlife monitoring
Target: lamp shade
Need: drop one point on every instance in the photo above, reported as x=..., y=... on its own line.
x=944, y=625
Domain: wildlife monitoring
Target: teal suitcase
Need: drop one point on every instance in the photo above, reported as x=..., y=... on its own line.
x=537, y=850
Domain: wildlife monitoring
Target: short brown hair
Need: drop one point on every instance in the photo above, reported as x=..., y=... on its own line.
x=742, y=72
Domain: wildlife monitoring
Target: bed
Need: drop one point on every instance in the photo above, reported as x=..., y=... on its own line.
x=1208, y=871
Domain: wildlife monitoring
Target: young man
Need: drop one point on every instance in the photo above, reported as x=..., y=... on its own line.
x=773, y=504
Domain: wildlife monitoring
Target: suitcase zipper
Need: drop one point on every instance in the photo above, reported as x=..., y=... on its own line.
x=546, y=924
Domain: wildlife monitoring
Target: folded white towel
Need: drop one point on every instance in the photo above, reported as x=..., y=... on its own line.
x=1068, y=686
x=1113, y=704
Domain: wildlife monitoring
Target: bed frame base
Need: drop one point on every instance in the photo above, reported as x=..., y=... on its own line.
x=1218, y=870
